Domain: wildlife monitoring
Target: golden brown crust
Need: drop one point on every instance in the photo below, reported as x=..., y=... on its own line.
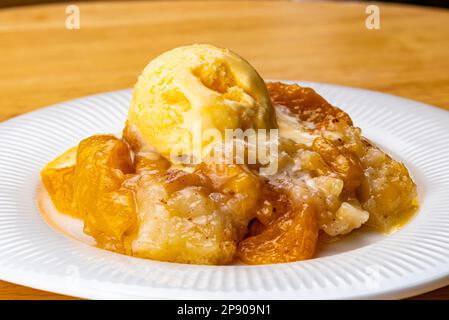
x=306, y=104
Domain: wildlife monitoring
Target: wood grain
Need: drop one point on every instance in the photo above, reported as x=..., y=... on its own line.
x=42, y=62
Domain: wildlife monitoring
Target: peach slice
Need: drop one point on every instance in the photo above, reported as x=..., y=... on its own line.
x=57, y=177
x=291, y=237
x=108, y=208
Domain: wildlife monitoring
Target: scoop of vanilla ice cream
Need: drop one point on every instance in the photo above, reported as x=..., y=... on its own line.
x=192, y=85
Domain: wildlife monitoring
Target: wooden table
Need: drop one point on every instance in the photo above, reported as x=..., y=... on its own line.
x=42, y=62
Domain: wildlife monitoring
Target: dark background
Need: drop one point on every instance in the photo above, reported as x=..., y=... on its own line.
x=435, y=3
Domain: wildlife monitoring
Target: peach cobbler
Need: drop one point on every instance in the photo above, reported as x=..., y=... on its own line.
x=147, y=194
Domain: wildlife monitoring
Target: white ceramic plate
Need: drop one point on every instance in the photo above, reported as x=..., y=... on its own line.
x=409, y=262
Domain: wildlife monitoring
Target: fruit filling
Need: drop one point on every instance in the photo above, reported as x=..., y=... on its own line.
x=333, y=182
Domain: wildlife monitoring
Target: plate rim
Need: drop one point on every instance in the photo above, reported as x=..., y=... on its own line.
x=401, y=292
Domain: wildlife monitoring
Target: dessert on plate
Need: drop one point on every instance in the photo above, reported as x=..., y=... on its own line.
x=216, y=165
